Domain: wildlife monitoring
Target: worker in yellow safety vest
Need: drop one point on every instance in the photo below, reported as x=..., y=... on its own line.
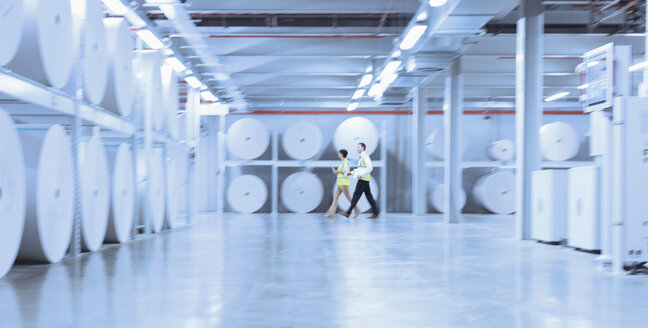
x=343, y=182
x=363, y=174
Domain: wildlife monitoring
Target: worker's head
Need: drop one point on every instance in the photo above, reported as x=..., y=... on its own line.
x=361, y=147
x=342, y=154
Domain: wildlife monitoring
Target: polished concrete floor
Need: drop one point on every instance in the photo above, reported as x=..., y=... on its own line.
x=310, y=271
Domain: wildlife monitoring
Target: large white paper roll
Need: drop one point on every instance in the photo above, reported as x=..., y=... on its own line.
x=50, y=194
x=94, y=193
x=435, y=144
x=302, y=192
x=122, y=193
x=170, y=100
x=247, y=138
x=152, y=195
x=363, y=204
x=151, y=69
x=437, y=198
x=302, y=140
x=247, y=194
x=175, y=181
x=46, y=50
x=501, y=150
x=496, y=192
x=12, y=192
x=11, y=25
x=120, y=83
x=559, y=141
x=353, y=131
x=95, y=60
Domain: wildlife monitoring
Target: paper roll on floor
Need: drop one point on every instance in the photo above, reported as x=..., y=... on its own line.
x=122, y=193
x=496, y=192
x=94, y=189
x=46, y=50
x=120, y=92
x=302, y=140
x=501, y=150
x=353, y=131
x=95, y=61
x=152, y=195
x=302, y=192
x=247, y=194
x=12, y=192
x=247, y=138
x=559, y=141
x=50, y=194
x=437, y=198
x=175, y=180
x=11, y=25
x=363, y=204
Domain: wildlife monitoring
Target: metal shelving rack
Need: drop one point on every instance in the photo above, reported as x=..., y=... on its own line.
x=275, y=163
x=53, y=106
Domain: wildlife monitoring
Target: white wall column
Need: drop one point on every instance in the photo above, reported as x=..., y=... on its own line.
x=419, y=183
x=528, y=113
x=452, y=118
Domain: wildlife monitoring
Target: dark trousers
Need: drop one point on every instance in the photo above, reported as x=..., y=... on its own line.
x=363, y=187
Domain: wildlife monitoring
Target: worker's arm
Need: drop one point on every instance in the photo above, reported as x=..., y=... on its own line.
x=367, y=162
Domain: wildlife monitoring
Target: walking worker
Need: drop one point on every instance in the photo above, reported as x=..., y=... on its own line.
x=363, y=174
x=343, y=182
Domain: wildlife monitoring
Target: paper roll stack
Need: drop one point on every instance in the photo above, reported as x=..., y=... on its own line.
x=247, y=138
x=435, y=144
x=302, y=192
x=12, y=192
x=302, y=140
x=559, y=141
x=496, y=192
x=151, y=69
x=152, y=194
x=50, y=194
x=46, y=50
x=170, y=100
x=119, y=92
x=94, y=193
x=437, y=198
x=363, y=204
x=502, y=150
x=11, y=25
x=95, y=60
x=353, y=131
x=122, y=193
x=247, y=194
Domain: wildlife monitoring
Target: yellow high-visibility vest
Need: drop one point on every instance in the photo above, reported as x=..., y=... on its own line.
x=343, y=180
x=363, y=165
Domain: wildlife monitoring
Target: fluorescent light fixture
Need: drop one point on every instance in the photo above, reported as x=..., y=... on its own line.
x=396, y=54
x=583, y=86
x=193, y=82
x=390, y=69
x=175, y=63
x=366, y=79
x=557, y=96
x=352, y=106
x=150, y=39
x=412, y=36
x=389, y=80
x=359, y=93
x=593, y=63
x=375, y=90
x=208, y=96
x=116, y=7
x=422, y=16
x=369, y=69
x=639, y=66
x=437, y=3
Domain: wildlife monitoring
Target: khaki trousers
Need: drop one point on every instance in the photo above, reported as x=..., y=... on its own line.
x=340, y=189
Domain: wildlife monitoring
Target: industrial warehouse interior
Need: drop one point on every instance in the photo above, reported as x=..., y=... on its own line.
x=323, y=163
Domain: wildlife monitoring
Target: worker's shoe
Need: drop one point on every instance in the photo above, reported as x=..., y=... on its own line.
x=344, y=214
x=375, y=216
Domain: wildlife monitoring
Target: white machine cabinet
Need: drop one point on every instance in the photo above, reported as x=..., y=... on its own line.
x=549, y=208
x=630, y=175
x=584, y=218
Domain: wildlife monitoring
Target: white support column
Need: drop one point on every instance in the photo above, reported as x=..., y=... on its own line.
x=419, y=183
x=528, y=114
x=220, y=159
x=275, y=174
x=453, y=116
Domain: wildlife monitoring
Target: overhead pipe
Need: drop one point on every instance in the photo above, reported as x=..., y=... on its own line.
x=398, y=112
